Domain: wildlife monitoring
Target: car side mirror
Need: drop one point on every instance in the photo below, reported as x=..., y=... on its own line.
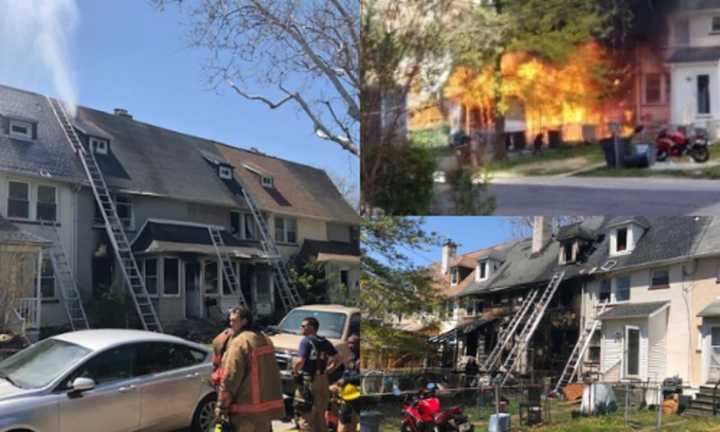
x=82, y=384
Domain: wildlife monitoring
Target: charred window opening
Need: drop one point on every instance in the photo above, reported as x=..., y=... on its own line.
x=622, y=235
x=703, y=94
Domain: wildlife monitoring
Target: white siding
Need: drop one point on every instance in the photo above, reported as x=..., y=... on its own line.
x=613, y=347
x=657, y=353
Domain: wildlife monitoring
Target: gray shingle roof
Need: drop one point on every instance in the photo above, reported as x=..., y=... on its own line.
x=151, y=160
x=695, y=55
x=632, y=310
x=666, y=238
x=12, y=234
x=47, y=155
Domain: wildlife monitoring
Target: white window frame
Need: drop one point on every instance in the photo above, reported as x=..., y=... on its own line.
x=38, y=202
x=484, y=264
x=626, y=351
x=180, y=278
x=129, y=203
x=614, y=290
x=285, y=229
x=53, y=277
x=454, y=276
x=29, y=201
x=629, y=241
x=225, y=172
x=143, y=269
x=20, y=123
x=99, y=145
x=715, y=25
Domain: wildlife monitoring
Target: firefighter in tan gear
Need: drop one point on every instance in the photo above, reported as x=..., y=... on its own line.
x=316, y=358
x=220, y=344
x=250, y=392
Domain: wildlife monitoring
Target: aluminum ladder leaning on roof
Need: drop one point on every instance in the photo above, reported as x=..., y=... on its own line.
x=538, y=310
x=69, y=293
x=505, y=336
x=583, y=342
x=288, y=293
x=231, y=276
x=113, y=225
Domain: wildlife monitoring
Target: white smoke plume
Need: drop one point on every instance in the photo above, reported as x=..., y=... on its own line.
x=35, y=38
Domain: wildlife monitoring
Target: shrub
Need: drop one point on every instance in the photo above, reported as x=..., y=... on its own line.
x=471, y=197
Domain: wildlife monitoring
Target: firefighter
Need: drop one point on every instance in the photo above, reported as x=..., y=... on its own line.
x=220, y=344
x=316, y=357
x=250, y=391
x=349, y=415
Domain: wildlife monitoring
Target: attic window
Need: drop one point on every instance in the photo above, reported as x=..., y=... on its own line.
x=454, y=276
x=20, y=129
x=567, y=253
x=225, y=172
x=715, y=24
x=621, y=243
x=266, y=181
x=99, y=145
x=483, y=270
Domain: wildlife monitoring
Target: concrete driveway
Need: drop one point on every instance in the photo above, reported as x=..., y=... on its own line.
x=596, y=196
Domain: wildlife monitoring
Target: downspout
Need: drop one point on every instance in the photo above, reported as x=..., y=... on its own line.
x=687, y=292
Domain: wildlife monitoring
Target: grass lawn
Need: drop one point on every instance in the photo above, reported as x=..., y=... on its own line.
x=712, y=173
x=551, y=162
x=560, y=419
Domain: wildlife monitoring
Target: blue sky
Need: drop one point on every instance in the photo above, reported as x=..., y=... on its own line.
x=128, y=54
x=469, y=232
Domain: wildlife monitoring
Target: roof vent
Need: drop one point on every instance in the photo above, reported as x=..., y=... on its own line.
x=122, y=112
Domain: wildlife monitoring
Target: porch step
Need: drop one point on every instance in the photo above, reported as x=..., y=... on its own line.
x=695, y=412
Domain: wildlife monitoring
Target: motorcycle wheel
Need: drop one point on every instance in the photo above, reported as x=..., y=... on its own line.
x=662, y=156
x=700, y=154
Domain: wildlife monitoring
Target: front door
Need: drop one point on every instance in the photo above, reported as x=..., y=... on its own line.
x=193, y=296
x=714, y=355
x=632, y=352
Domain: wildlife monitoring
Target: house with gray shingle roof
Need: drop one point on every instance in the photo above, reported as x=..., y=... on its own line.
x=660, y=278
x=168, y=188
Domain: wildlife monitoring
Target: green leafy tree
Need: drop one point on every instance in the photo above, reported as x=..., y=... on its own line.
x=392, y=285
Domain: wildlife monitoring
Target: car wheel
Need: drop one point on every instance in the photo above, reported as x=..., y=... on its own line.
x=204, y=414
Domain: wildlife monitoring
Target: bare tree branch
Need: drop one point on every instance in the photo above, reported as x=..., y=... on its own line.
x=266, y=101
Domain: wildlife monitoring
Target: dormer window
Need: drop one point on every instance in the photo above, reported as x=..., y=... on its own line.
x=99, y=145
x=225, y=172
x=622, y=238
x=568, y=252
x=266, y=181
x=482, y=271
x=20, y=129
x=454, y=276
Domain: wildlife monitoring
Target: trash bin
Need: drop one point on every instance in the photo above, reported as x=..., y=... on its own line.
x=608, y=146
x=499, y=423
x=370, y=421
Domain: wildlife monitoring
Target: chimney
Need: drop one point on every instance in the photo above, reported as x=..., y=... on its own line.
x=448, y=254
x=122, y=112
x=542, y=232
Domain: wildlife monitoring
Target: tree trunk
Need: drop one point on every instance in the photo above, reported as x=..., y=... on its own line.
x=500, y=152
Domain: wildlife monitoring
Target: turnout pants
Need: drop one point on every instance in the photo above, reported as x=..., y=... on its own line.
x=313, y=420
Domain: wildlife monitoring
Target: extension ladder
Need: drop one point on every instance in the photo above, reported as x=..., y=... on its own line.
x=581, y=346
x=113, y=225
x=69, y=293
x=231, y=276
x=538, y=310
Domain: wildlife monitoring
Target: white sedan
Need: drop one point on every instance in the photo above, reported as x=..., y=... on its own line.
x=109, y=381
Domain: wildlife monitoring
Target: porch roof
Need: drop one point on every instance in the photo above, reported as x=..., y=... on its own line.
x=711, y=310
x=330, y=251
x=695, y=55
x=633, y=310
x=12, y=234
x=158, y=236
x=463, y=328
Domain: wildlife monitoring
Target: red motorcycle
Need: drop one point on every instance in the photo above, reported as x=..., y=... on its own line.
x=676, y=143
x=424, y=414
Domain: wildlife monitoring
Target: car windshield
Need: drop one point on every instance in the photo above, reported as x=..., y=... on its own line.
x=39, y=364
x=332, y=324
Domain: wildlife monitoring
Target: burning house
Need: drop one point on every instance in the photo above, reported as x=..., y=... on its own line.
x=664, y=72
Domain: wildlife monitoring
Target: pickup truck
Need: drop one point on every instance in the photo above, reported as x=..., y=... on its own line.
x=337, y=323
